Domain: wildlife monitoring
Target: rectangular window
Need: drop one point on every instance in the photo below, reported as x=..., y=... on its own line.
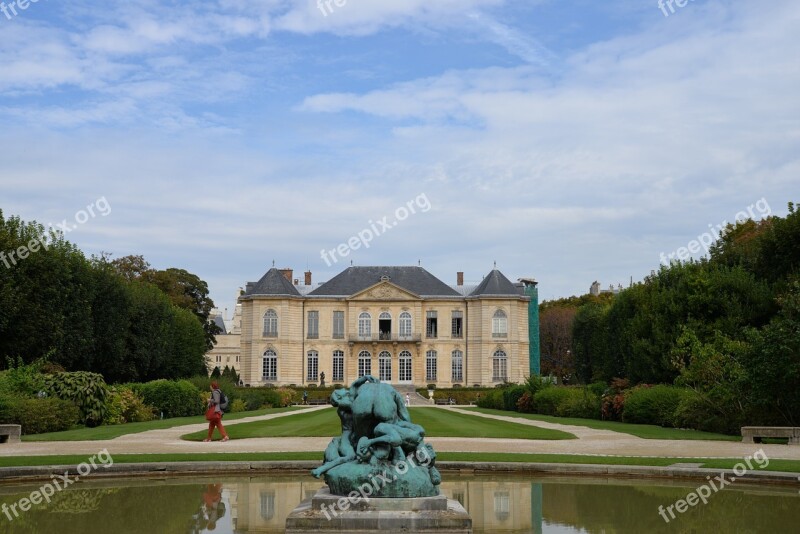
x=338, y=325
x=364, y=364
x=313, y=366
x=458, y=324
x=338, y=366
x=270, y=368
x=313, y=325
x=458, y=366
x=430, y=366
x=431, y=326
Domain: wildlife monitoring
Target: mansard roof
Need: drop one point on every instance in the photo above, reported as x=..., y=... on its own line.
x=274, y=283
x=496, y=284
x=356, y=279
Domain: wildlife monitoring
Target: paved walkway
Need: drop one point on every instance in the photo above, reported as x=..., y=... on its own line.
x=589, y=442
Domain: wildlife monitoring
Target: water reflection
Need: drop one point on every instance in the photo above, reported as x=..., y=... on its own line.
x=504, y=504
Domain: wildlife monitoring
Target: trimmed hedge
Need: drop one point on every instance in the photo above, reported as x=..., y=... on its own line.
x=172, y=398
x=462, y=396
x=37, y=416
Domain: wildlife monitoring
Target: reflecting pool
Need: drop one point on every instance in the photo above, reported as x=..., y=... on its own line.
x=504, y=503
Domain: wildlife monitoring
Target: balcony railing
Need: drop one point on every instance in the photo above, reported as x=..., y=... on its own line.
x=384, y=336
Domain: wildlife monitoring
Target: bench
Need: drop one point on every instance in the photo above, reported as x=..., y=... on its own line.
x=444, y=402
x=10, y=433
x=754, y=434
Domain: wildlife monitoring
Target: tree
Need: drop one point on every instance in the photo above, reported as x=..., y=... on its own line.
x=189, y=292
x=773, y=364
x=555, y=331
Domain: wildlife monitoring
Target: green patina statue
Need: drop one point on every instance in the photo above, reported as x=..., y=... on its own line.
x=380, y=453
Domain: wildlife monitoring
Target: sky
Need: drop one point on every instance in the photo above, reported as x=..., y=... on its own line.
x=564, y=140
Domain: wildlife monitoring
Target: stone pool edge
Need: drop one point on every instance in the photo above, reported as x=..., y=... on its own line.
x=185, y=469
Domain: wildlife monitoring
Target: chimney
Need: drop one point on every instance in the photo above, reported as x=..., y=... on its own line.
x=287, y=273
x=308, y=278
x=460, y=278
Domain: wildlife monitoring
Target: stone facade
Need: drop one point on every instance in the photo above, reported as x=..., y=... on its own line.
x=384, y=328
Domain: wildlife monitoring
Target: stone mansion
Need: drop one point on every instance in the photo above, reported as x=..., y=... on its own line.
x=400, y=324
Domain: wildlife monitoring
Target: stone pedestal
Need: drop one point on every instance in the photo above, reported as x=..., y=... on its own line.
x=332, y=513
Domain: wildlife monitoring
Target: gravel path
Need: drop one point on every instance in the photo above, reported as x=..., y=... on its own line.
x=589, y=442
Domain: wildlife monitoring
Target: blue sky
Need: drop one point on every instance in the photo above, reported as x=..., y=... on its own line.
x=569, y=141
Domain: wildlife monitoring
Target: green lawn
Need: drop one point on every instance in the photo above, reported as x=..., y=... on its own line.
x=642, y=431
x=437, y=423
x=114, y=431
x=791, y=466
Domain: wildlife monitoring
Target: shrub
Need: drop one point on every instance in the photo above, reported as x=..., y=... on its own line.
x=548, y=400
x=525, y=403
x=203, y=383
x=257, y=398
x=172, y=398
x=37, y=416
x=238, y=405
x=694, y=412
x=126, y=406
x=511, y=395
x=459, y=395
x=534, y=384
x=581, y=402
x=287, y=397
x=88, y=391
x=22, y=380
x=654, y=405
x=598, y=388
x=492, y=399
x=612, y=402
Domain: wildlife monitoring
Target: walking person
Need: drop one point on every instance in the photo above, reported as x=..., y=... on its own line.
x=214, y=413
x=408, y=400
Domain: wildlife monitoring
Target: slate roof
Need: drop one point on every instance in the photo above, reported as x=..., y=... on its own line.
x=221, y=324
x=356, y=279
x=495, y=283
x=273, y=284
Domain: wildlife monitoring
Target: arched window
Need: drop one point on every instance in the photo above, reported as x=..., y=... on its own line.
x=338, y=366
x=269, y=366
x=385, y=366
x=430, y=366
x=499, y=324
x=405, y=367
x=271, y=324
x=405, y=325
x=458, y=366
x=313, y=366
x=385, y=326
x=364, y=325
x=499, y=366
x=364, y=363
x=502, y=505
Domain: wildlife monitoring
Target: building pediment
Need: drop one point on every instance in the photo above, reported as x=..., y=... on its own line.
x=384, y=291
